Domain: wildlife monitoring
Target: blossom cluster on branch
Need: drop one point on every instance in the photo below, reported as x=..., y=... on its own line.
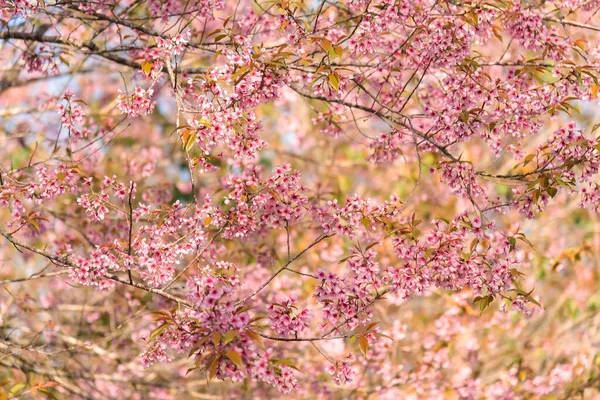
x=299, y=199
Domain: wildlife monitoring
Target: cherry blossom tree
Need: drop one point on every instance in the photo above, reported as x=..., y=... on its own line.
x=329, y=199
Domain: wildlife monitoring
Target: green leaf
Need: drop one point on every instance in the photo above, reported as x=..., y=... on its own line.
x=384, y=335
x=428, y=252
x=371, y=246
x=203, y=121
x=16, y=389
x=513, y=243
x=156, y=333
x=48, y=393
x=386, y=220
x=483, y=301
x=284, y=361
x=528, y=159
x=240, y=73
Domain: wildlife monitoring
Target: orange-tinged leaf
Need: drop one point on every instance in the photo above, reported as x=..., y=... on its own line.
x=321, y=68
x=229, y=336
x=216, y=338
x=334, y=80
x=235, y=357
x=474, y=243
x=256, y=338
x=213, y=369
x=191, y=139
x=371, y=326
x=365, y=222
x=214, y=33
x=160, y=315
x=363, y=343
x=275, y=195
x=64, y=60
x=35, y=224
x=147, y=67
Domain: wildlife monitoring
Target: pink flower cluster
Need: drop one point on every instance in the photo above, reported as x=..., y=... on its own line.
x=93, y=270
x=286, y=319
x=526, y=25
x=17, y=8
x=139, y=103
x=448, y=257
x=254, y=203
x=460, y=177
x=342, y=370
x=72, y=117
x=218, y=281
x=348, y=300
x=41, y=61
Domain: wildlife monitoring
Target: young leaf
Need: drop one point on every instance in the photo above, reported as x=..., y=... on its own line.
x=334, y=80
x=513, y=242
x=229, y=336
x=213, y=368
x=191, y=139
x=155, y=333
x=147, y=67
x=235, y=357
x=363, y=343
x=216, y=338
x=256, y=338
